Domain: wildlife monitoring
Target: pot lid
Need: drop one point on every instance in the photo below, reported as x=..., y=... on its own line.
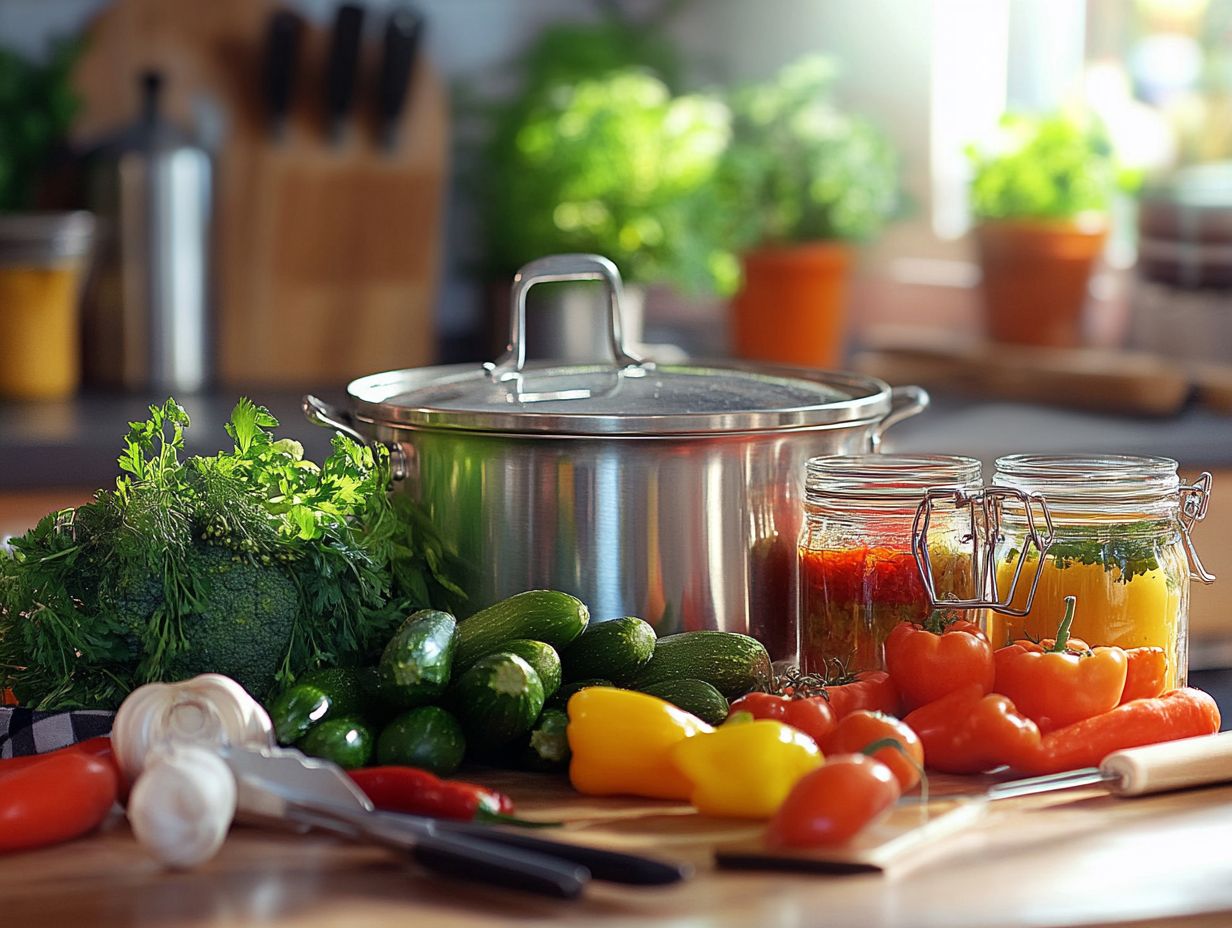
x=626, y=396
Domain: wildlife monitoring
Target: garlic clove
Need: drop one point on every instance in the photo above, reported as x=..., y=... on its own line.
x=182, y=805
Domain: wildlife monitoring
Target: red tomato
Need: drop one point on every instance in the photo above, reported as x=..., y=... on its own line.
x=811, y=715
x=63, y=795
x=761, y=705
x=862, y=728
x=926, y=666
x=834, y=802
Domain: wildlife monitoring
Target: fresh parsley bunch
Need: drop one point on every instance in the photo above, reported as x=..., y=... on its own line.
x=253, y=562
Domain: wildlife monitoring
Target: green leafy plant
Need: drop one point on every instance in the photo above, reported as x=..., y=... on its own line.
x=254, y=562
x=37, y=105
x=1053, y=167
x=799, y=169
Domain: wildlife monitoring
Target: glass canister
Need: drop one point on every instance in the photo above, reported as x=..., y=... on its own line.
x=858, y=570
x=1120, y=545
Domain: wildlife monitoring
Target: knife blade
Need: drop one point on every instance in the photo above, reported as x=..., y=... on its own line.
x=341, y=68
x=403, y=33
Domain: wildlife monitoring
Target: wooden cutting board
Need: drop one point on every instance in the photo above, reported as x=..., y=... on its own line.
x=326, y=256
x=1101, y=380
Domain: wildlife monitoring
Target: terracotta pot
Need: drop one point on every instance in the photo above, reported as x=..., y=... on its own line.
x=1035, y=277
x=791, y=308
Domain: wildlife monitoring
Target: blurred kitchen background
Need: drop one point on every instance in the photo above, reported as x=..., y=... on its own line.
x=1024, y=205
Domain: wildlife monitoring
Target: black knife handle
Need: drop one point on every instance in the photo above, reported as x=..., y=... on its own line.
x=342, y=66
x=403, y=31
x=282, y=41
x=609, y=866
x=475, y=861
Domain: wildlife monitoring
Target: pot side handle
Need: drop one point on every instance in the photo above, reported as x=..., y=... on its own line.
x=321, y=413
x=905, y=402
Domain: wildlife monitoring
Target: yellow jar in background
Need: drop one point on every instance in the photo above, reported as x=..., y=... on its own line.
x=42, y=262
x=1120, y=546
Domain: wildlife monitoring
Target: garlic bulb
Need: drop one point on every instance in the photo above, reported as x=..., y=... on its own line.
x=209, y=710
x=182, y=805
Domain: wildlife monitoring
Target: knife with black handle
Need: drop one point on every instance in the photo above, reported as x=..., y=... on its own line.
x=281, y=62
x=403, y=33
x=342, y=67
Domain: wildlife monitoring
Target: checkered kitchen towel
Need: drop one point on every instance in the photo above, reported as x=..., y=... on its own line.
x=24, y=731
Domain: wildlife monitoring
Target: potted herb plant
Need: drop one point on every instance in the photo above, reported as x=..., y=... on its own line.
x=802, y=182
x=598, y=153
x=1040, y=192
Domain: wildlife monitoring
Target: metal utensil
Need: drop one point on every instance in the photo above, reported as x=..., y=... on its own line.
x=282, y=42
x=282, y=785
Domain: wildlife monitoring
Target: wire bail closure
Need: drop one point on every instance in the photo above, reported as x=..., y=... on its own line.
x=984, y=509
x=1195, y=498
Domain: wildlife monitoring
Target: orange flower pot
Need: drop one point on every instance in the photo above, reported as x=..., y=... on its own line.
x=1035, y=278
x=791, y=308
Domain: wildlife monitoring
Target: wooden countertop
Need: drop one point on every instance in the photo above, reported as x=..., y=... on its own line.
x=1076, y=858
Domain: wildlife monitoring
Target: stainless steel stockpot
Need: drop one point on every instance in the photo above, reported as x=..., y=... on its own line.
x=668, y=491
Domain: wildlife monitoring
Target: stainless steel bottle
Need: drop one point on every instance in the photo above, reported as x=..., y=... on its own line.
x=147, y=314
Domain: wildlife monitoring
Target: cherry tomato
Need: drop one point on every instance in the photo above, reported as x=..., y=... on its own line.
x=761, y=706
x=811, y=715
x=926, y=665
x=61, y=796
x=862, y=728
x=834, y=802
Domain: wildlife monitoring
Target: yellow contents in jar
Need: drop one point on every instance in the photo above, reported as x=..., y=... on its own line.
x=39, y=356
x=1142, y=607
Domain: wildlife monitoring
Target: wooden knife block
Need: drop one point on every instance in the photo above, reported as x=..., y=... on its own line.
x=326, y=257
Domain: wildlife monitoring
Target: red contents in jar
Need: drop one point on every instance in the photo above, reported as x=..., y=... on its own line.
x=851, y=598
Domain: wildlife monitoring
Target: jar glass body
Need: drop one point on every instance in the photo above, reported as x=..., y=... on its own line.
x=858, y=573
x=1118, y=549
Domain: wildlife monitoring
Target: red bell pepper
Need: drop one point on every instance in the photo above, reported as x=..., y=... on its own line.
x=934, y=659
x=1056, y=686
x=968, y=731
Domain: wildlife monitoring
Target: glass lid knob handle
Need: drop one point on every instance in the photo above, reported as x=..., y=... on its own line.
x=562, y=268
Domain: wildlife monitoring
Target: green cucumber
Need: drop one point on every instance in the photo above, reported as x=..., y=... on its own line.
x=733, y=664
x=547, y=748
x=319, y=695
x=427, y=737
x=615, y=649
x=560, y=699
x=497, y=699
x=416, y=664
x=540, y=615
x=348, y=742
x=542, y=657
x=696, y=697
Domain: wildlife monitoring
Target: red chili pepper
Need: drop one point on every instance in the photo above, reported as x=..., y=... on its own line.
x=811, y=715
x=1056, y=686
x=55, y=797
x=930, y=660
x=872, y=689
x=967, y=731
x=418, y=792
x=1146, y=669
x=1183, y=713
x=96, y=747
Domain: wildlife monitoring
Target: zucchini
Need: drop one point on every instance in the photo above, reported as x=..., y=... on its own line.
x=560, y=699
x=541, y=615
x=498, y=699
x=547, y=749
x=348, y=742
x=416, y=664
x=733, y=664
x=427, y=737
x=614, y=649
x=319, y=695
x=542, y=658
x=696, y=697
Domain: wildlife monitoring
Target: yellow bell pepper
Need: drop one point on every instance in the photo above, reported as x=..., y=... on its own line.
x=621, y=740
x=745, y=770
